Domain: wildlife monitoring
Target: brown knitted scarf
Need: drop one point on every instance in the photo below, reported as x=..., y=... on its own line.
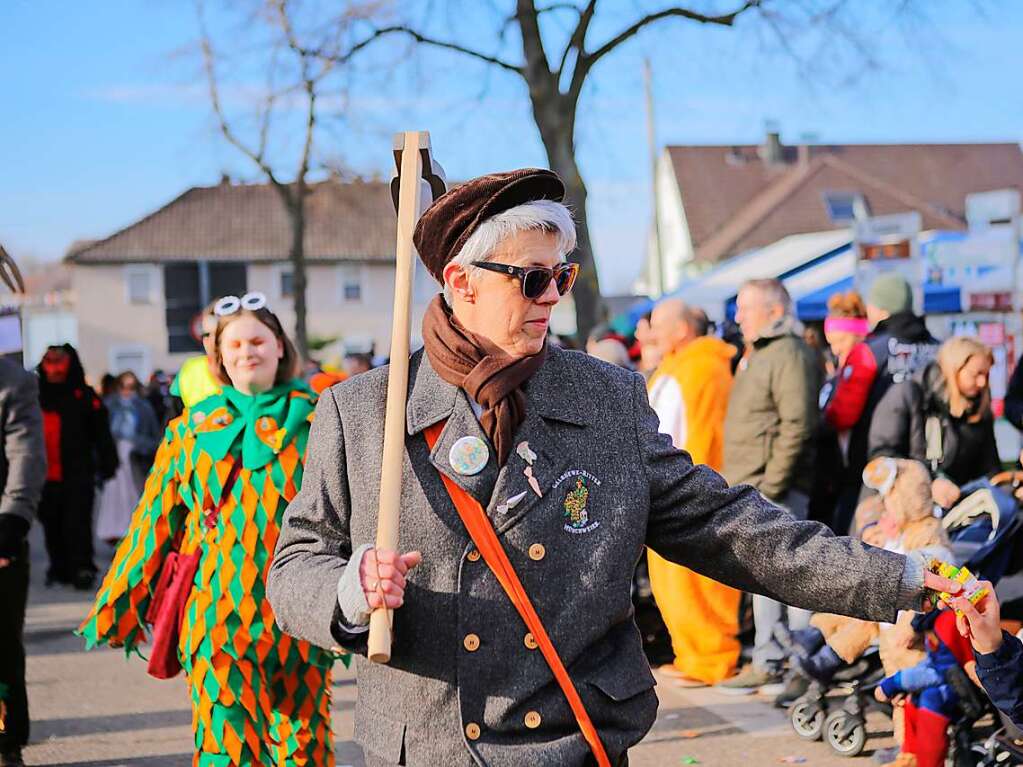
x=488, y=375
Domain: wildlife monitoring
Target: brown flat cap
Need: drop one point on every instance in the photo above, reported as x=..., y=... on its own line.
x=449, y=222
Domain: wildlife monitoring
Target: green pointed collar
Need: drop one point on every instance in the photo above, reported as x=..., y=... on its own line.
x=262, y=424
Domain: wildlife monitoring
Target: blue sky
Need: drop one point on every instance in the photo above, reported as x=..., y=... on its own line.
x=105, y=116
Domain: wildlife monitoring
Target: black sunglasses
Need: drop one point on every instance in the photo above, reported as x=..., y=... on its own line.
x=535, y=279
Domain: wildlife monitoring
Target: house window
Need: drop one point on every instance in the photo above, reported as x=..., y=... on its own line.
x=846, y=207
x=351, y=284
x=286, y=282
x=188, y=286
x=133, y=357
x=139, y=282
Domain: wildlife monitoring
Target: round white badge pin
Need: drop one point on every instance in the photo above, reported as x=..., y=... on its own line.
x=469, y=455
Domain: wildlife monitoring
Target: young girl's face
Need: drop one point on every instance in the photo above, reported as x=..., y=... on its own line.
x=887, y=524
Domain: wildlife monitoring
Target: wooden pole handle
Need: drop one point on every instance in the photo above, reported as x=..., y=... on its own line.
x=380, y=623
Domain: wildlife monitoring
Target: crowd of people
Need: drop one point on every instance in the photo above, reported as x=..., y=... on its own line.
x=802, y=424
x=242, y=498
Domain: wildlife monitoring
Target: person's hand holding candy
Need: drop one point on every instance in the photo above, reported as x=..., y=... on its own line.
x=980, y=623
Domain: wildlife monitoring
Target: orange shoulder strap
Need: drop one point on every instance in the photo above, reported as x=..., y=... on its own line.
x=483, y=535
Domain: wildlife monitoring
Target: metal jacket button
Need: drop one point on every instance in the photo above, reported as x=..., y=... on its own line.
x=473, y=555
x=530, y=641
x=537, y=552
x=471, y=642
x=532, y=720
x=472, y=731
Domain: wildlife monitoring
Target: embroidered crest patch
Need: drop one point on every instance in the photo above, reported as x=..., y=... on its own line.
x=576, y=503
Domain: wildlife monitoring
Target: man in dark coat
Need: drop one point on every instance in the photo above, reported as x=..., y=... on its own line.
x=901, y=345
x=22, y=469
x=79, y=449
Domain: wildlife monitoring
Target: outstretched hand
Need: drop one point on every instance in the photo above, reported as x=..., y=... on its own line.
x=935, y=582
x=382, y=576
x=980, y=623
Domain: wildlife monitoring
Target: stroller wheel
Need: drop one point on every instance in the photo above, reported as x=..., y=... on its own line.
x=846, y=734
x=807, y=719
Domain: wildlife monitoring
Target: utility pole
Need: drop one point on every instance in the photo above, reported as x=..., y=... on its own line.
x=658, y=282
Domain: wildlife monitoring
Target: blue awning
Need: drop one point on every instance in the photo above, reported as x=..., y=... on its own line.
x=943, y=299
x=814, y=306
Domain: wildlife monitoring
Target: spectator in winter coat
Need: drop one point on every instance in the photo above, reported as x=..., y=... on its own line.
x=900, y=344
x=79, y=448
x=770, y=431
x=942, y=417
x=843, y=400
x=1014, y=397
x=22, y=468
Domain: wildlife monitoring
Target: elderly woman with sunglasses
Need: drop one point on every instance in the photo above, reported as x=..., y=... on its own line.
x=222, y=478
x=533, y=479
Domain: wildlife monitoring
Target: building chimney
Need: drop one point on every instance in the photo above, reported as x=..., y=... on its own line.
x=772, y=152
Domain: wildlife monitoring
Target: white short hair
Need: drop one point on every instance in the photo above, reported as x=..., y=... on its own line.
x=539, y=215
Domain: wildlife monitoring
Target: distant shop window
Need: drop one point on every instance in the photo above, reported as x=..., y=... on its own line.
x=131, y=357
x=351, y=284
x=846, y=207
x=287, y=282
x=140, y=283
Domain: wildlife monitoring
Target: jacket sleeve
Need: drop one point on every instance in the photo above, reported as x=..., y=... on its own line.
x=23, y=446
x=315, y=542
x=897, y=428
x=992, y=461
x=852, y=389
x=1001, y=673
x=795, y=400
x=147, y=439
x=117, y=618
x=736, y=536
x=1014, y=397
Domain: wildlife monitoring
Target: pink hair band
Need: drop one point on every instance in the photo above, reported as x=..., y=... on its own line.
x=854, y=325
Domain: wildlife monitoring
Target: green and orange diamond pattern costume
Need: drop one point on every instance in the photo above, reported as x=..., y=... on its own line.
x=259, y=696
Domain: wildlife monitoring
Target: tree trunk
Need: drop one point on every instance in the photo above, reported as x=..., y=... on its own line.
x=297, y=214
x=557, y=132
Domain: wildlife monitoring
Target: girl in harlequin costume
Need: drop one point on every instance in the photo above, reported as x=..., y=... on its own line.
x=259, y=697
x=930, y=701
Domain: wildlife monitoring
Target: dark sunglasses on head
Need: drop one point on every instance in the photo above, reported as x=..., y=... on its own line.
x=535, y=279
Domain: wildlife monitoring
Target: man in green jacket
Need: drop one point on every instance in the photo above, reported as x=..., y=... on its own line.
x=769, y=437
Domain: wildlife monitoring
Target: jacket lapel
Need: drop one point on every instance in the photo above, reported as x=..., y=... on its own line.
x=431, y=400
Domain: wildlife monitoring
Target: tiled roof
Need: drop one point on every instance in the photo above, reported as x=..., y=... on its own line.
x=735, y=201
x=248, y=222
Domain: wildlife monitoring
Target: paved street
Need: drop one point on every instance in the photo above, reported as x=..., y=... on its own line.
x=102, y=710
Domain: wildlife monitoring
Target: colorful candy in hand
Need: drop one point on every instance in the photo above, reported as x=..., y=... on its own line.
x=971, y=588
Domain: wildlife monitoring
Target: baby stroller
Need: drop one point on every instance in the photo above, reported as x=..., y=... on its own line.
x=984, y=531
x=837, y=711
x=1003, y=748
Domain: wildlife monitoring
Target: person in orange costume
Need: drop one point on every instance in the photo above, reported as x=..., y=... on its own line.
x=689, y=392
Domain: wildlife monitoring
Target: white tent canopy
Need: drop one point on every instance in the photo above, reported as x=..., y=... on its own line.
x=713, y=290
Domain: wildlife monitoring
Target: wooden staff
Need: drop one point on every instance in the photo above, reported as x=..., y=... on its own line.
x=412, y=155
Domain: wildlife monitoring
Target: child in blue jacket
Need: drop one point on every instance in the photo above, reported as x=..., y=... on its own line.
x=998, y=653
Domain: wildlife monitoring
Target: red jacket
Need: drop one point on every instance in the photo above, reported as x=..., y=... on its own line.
x=852, y=386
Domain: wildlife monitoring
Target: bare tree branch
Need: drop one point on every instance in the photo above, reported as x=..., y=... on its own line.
x=587, y=61
x=578, y=39
x=380, y=32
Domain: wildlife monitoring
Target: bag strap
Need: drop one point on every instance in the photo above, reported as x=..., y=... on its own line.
x=225, y=493
x=483, y=535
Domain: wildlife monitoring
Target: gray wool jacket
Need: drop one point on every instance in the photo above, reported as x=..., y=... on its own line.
x=463, y=683
x=22, y=453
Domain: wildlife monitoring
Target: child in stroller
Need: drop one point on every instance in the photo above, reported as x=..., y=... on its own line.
x=930, y=698
x=836, y=649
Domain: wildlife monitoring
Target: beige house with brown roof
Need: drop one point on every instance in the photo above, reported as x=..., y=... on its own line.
x=715, y=202
x=140, y=290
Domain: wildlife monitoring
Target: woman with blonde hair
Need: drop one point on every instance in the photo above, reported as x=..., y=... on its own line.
x=207, y=525
x=943, y=418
